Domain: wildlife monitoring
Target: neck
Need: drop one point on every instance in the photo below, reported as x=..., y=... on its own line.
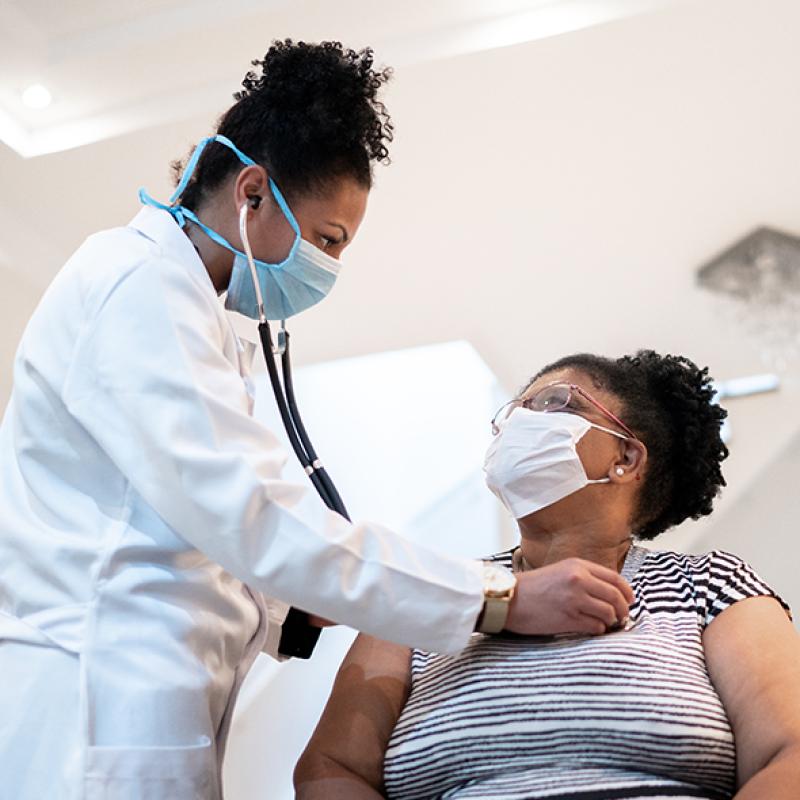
x=602, y=544
x=217, y=260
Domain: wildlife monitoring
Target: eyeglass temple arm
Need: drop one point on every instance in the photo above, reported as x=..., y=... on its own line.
x=608, y=413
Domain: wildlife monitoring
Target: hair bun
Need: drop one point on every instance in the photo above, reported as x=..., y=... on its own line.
x=309, y=114
x=324, y=93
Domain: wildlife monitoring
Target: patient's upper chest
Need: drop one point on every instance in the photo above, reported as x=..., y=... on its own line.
x=632, y=706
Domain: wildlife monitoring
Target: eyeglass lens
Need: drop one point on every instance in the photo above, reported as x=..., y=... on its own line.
x=551, y=398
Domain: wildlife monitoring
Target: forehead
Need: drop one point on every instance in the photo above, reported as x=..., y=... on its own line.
x=343, y=200
x=580, y=378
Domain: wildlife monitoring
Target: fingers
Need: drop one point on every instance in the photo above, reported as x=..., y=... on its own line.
x=613, y=578
x=610, y=596
x=588, y=624
x=601, y=612
x=573, y=595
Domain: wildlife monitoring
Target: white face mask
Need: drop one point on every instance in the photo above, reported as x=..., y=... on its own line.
x=533, y=461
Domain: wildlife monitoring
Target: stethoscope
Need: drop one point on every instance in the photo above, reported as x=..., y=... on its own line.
x=284, y=392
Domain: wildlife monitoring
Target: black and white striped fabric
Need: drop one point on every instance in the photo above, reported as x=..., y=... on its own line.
x=631, y=714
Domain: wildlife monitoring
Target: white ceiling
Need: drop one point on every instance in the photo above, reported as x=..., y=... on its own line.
x=113, y=68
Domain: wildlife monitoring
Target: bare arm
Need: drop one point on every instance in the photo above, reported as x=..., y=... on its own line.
x=344, y=758
x=753, y=656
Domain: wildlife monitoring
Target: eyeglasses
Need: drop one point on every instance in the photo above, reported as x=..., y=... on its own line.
x=555, y=397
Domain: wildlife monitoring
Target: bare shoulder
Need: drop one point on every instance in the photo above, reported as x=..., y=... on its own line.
x=760, y=621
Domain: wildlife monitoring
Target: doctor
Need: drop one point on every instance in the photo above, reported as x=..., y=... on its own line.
x=143, y=520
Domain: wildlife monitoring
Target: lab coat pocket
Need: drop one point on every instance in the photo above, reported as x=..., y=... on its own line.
x=152, y=773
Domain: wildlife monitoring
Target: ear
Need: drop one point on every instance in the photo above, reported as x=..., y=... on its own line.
x=630, y=465
x=251, y=186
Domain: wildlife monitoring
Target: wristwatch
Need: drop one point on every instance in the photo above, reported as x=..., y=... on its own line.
x=498, y=589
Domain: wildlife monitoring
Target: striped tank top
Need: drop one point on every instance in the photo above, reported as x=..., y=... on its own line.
x=631, y=714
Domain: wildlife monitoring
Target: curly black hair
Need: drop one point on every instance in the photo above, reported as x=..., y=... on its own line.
x=309, y=115
x=668, y=402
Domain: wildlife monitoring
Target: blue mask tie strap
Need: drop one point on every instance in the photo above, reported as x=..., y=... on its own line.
x=176, y=211
x=198, y=151
x=181, y=214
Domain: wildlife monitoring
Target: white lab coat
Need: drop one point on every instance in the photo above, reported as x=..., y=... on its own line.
x=143, y=523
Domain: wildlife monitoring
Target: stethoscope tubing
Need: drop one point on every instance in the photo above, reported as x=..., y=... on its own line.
x=293, y=422
x=336, y=502
x=284, y=393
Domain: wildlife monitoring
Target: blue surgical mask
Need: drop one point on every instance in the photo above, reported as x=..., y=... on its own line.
x=301, y=280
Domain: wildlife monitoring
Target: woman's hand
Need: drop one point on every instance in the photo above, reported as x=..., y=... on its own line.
x=570, y=596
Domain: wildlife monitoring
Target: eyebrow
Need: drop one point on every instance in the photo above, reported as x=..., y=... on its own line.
x=342, y=228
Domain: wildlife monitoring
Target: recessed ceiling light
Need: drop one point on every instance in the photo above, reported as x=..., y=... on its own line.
x=37, y=96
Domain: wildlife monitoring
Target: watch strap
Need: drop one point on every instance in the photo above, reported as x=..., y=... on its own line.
x=494, y=615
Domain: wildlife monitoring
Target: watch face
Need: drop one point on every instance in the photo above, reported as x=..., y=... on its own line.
x=497, y=581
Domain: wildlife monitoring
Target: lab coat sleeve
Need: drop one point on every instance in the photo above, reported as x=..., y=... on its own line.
x=151, y=384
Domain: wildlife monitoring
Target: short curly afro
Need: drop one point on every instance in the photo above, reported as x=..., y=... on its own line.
x=310, y=114
x=669, y=404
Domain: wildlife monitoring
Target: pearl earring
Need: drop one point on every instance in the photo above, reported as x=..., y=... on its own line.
x=620, y=471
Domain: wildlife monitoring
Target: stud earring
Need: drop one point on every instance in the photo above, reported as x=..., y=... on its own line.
x=620, y=471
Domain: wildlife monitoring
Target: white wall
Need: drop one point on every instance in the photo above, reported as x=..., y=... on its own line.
x=761, y=526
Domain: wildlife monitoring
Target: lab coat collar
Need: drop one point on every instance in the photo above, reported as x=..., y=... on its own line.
x=160, y=227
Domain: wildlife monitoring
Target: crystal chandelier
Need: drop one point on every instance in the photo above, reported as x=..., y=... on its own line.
x=757, y=283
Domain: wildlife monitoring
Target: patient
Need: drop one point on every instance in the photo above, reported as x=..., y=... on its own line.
x=697, y=694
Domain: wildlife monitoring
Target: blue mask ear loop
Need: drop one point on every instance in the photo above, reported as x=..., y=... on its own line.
x=290, y=218
x=284, y=207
